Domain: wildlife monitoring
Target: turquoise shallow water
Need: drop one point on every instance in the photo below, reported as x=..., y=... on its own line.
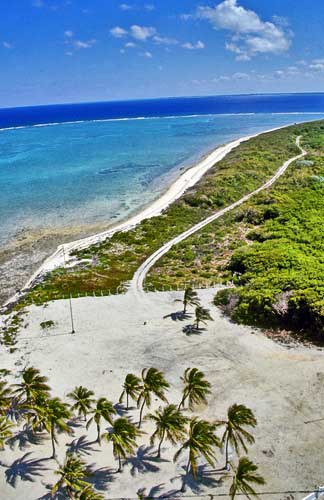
x=92, y=172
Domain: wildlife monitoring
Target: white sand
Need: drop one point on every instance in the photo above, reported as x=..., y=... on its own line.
x=284, y=387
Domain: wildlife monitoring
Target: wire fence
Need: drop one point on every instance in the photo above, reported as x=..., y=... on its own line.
x=122, y=289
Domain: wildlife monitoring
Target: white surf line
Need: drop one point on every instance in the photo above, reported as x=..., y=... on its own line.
x=188, y=179
x=136, y=283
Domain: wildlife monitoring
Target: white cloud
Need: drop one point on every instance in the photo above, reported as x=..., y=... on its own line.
x=164, y=40
x=250, y=35
x=118, y=32
x=7, y=45
x=68, y=33
x=130, y=45
x=125, y=6
x=142, y=33
x=148, y=55
x=149, y=7
x=193, y=46
x=79, y=44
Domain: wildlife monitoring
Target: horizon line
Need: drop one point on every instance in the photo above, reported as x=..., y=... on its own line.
x=75, y=103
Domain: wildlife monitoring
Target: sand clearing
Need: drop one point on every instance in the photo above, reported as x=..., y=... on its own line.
x=284, y=387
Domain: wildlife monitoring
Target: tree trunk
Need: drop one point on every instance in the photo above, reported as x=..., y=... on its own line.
x=53, y=442
x=160, y=444
x=226, y=453
x=141, y=415
x=184, y=307
x=119, y=464
x=98, y=434
x=182, y=402
x=197, y=324
x=184, y=482
x=127, y=401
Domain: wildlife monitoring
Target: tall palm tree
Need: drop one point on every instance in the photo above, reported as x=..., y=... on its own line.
x=123, y=436
x=5, y=431
x=53, y=416
x=170, y=424
x=104, y=410
x=202, y=315
x=5, y=397
x=131, y=388
x=190, y=298
x=73, y=474
x=245, y=475
x=196, y=388
x=83, y=400
x=200, y=443
x=235, y=434
x=153, y=383
x=33, y=383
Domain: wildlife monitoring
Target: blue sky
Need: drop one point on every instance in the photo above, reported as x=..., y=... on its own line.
x=54, y=51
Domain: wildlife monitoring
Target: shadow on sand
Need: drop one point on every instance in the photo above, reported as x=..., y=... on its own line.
x=145, y=460
x=177, y=316
x=81, y=446
x=193, y=330
x=25, y=469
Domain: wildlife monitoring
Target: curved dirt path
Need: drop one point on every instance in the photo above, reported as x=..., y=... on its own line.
x=136, y=284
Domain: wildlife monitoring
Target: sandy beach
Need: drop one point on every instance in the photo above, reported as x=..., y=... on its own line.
x=282, y=385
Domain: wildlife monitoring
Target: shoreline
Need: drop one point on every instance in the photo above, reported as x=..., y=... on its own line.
x=186, y=180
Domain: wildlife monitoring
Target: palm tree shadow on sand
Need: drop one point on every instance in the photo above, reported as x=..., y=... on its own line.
x=25, y=438
x=101, y=478
x=193, y=330
x=121, y=410
x=204, y=479
x=144, y=461
x=25, y=469
x=177, y=316
x=81, y=446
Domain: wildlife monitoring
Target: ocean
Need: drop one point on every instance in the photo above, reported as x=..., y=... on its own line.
x=86, y=164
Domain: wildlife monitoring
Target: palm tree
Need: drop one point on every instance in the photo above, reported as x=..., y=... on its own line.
x=53, y=416
x=73, y=476
x=83, y=400
x=5, y=397
x=196, y=388
x=202, y=315
x=200, y=442
x=153, y=383
x=33, y=383
x=104, y=410
x=5, y=431
x=238, y=416
x=190, y=298
x=123, y=436
x=245, y=475
x=88, y=493
x=131, y=388
x=170, y=424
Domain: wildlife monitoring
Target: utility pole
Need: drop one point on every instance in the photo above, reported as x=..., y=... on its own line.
x=70, y=298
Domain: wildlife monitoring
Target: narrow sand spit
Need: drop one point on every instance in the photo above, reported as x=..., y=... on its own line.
x=284, y=387
x=188, y=179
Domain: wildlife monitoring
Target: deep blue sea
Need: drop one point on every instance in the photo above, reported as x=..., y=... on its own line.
x=83, y=164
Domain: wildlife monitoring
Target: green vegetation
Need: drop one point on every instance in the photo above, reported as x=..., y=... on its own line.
x=109, y=265
x=37, y=411
x=45, y=325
